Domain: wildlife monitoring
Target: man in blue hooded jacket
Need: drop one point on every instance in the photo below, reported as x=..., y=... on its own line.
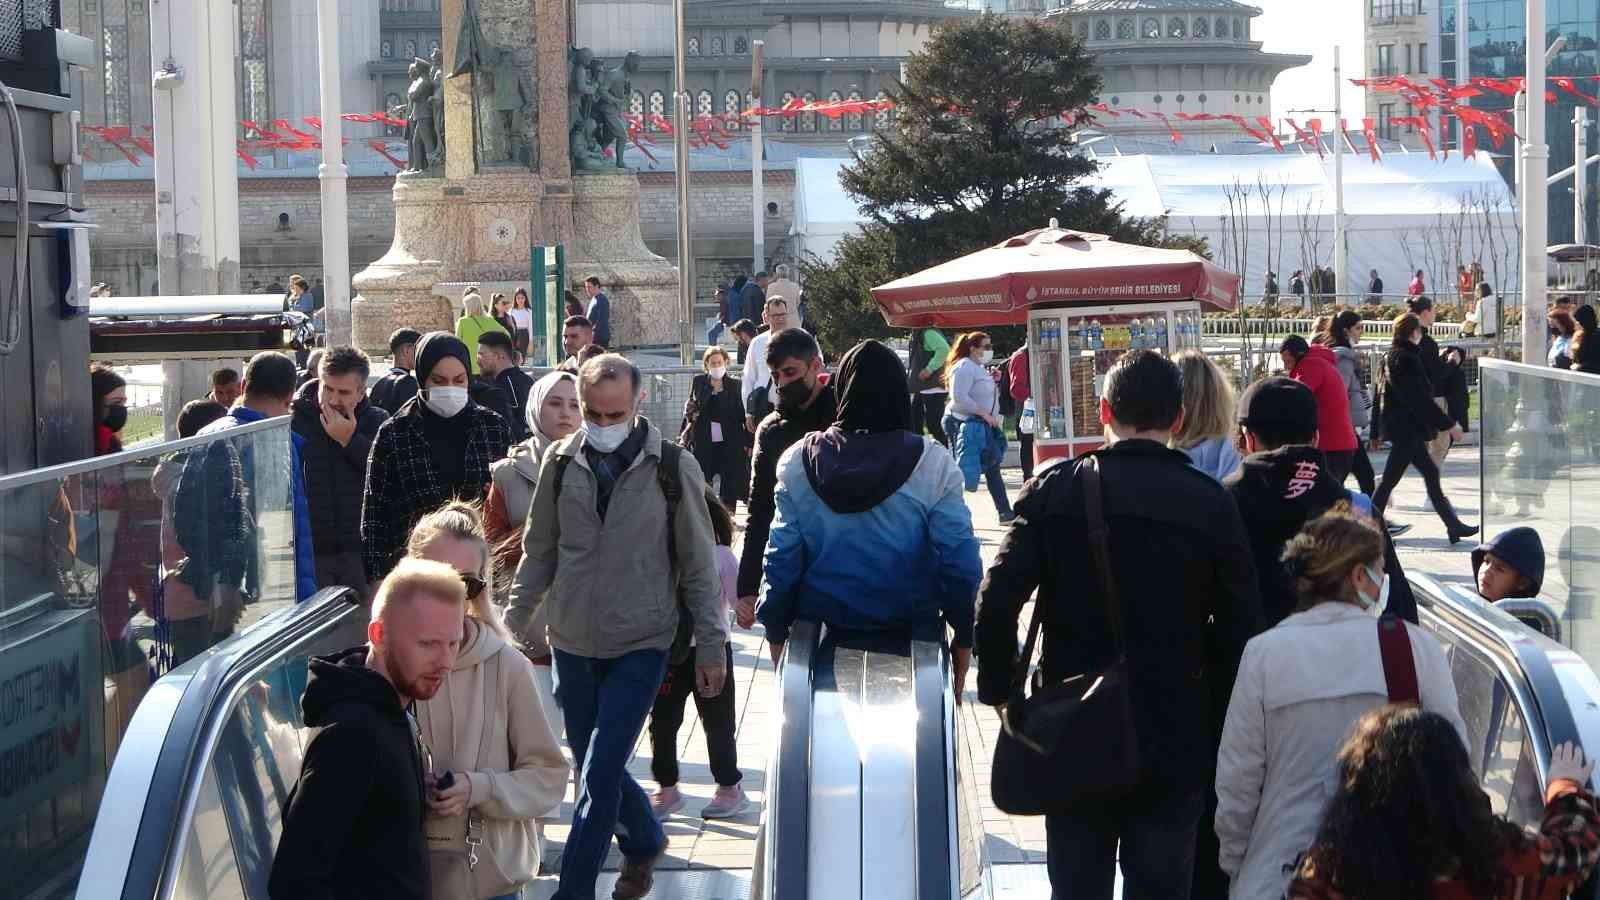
x=871, y=531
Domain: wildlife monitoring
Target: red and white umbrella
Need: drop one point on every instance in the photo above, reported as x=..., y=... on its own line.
x=1051, y=266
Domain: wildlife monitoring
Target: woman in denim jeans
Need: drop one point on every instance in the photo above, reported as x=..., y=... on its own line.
x=972, y=418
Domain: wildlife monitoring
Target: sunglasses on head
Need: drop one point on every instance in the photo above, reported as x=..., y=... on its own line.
x=475, y=585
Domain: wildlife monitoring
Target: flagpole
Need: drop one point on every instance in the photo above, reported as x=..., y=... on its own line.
x=1340, y=251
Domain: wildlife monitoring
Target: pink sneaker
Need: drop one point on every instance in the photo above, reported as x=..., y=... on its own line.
x=666, y=801
x=726, y=803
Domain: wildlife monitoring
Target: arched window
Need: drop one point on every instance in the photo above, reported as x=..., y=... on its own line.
x=730, y=111
x=1081, y=29
x=1125, y=30
x=716, y=45
x=880, y=119
x=386, y=49
x=1239, y=33
x=1177, y=27
x=636, y=103
x=1102, y=30
x=1222, y=27
x=808, y=121
x=658, y=107
x=740, y=46
x=1202, y=27
x=853, y=120
x=411, y=49
x=692, y=46
x=787, y=123
x=835, y=123
x=702, y=103
x=1150, y=29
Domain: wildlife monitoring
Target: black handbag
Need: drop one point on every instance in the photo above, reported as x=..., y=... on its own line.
x=1072, y=742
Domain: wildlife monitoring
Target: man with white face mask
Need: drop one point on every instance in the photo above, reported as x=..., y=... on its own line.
x=613, y=607
x=437, y=447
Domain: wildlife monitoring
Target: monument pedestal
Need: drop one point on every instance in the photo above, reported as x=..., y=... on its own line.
x=607, y=244
x=481, y=228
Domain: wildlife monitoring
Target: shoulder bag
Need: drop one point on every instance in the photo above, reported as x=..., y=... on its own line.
x=1070, y=742
x=1399, y=666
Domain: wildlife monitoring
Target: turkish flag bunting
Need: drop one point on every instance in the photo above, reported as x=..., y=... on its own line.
x=1371, y=135
x=1271, y=132
x=1571, y=87
x=1316, y=130
x=1176, y=137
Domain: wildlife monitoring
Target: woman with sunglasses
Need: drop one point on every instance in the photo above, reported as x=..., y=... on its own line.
x=497, y=764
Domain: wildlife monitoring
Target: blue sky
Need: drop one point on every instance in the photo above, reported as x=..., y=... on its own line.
x=1313, y=27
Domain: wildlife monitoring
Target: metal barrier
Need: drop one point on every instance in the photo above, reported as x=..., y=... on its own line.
x=1373, y=329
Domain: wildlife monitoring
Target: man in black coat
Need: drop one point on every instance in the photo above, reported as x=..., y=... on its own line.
x=331, y=414
x=1188, y=603
x=805, y=405
x=498, y=365
x=398, y=385
x=753, y=297
x=353, y=824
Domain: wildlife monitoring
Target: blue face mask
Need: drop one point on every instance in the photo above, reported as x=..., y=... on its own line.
x=1378, y=602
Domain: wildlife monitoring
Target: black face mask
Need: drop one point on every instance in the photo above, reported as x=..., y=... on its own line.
x=116, y=417
x=794, y=394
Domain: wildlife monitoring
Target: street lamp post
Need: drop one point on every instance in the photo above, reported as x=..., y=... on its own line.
x=331, y=176
x=1535, y=163
x=680, y=153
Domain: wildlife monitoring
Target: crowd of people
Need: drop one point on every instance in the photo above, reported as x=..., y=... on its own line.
x=540, y=563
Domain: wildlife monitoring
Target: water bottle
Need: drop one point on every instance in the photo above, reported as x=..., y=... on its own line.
x=1135, y=335
x=1161, y=332
x=1097, y=335
x=1083, y=334
x=1053, y=333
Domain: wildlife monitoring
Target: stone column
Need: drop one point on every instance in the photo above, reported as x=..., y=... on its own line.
x=553, y=25
x=460, y=135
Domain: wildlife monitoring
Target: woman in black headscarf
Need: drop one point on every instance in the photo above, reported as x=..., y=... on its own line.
x=438, y=447
x=872, y=533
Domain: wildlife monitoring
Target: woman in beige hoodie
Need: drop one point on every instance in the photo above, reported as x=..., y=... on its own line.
x=489, y=729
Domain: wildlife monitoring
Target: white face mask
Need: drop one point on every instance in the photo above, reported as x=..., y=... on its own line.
x=606, y=438
x=986, y=356
x=719, y=372
x=1375, y=604
x=446, y=401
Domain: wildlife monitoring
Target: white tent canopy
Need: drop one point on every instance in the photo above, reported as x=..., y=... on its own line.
x=1403, y=213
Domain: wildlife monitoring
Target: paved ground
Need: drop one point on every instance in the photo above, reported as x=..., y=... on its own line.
x=730, y=844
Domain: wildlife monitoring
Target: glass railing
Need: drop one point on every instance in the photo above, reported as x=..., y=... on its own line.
x=113, y=572
x=1540, y=429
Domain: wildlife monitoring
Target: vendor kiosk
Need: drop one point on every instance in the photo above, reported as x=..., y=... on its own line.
x=1086, y=300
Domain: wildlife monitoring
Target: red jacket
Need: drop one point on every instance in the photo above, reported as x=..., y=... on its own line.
x=1017, y=368
x=1318, y=371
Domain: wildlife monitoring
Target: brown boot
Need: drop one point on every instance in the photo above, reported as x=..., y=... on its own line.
x=637, y=875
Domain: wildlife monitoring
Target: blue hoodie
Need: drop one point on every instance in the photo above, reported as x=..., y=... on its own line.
x=305, y=571
x=871, y=533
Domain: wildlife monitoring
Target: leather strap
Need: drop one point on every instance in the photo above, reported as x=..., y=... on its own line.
x=1399, y=668
x=1088, y=472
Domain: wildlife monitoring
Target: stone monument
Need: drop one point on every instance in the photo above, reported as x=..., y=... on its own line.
x=497, y=128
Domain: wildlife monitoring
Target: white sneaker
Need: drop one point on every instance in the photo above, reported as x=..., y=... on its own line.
x=666, y=801
x=726, y=803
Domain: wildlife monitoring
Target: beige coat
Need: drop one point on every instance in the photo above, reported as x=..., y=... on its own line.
x=517, y=476
x=608, y=585
x=518, y=776
x=1301, y=687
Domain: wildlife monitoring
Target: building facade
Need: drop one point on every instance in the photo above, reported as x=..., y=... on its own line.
x=1400, y=37
x=1176, y=56
x=1496, y=48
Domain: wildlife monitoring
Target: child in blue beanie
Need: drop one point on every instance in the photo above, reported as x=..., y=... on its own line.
x=1510, y=565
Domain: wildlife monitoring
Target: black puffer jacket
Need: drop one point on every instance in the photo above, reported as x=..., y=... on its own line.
x=353, y=825
x=335, y=475
x=1185, y=581
x=777, y=432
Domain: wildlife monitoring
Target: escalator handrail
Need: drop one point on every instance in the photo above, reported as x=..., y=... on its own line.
x=152, y=789
x=786, y=874
x=1521, y=656
x=935, y=786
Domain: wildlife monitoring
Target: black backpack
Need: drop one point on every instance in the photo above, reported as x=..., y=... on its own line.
x=671, y=491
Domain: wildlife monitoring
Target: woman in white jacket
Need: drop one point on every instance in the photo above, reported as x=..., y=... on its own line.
x=1301, y=686
x=490, y=729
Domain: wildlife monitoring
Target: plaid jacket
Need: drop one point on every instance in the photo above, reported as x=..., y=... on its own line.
x=403, y=484
x=1543, y=866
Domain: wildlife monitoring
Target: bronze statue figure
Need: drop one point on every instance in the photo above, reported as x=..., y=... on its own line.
x=611, y=100
x=422, y=135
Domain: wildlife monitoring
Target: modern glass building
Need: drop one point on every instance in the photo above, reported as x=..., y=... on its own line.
x=1496, y=44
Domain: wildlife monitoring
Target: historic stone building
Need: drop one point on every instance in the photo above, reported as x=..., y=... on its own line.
x=1400, y=37
x=815, y=50
x=1174, y=56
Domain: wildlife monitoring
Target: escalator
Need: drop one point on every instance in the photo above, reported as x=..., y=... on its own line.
x=871, y=780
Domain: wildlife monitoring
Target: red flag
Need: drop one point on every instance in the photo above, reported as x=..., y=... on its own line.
x=1271, y=132
x=1101, y=107
x=1136, y=114
x=1344, y=133
x=1505, y=87
x=383, y=151
x=1176, y=137
x=1299, y=133
x=314, y=122
x=1426, y=134
x=1316, y=130
x=1571, y=87
x=1469, y=141
x=1371, y=135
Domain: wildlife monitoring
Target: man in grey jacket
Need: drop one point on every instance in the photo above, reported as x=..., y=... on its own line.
x=616, y=575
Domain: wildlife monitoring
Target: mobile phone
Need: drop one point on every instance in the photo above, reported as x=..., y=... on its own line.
x=444, y=782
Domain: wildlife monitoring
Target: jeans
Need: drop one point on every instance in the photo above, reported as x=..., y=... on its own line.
x=996, y=482
x=1157, y=837
x=604, y=702
x=714, y=333
x=717, y=722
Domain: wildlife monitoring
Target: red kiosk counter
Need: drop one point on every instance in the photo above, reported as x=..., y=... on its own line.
x=1086, y=300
